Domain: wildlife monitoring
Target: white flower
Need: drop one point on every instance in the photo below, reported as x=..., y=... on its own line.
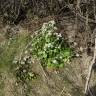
x=26, y=52
x=31, y=74
x=52, y=22
x=44, y=27
x=61, y=57
x=49, y=33
x=45, y=46
x=25, y=58
x=77, y=55
x=36, y=32
x=55, y=28
x=58, y=38
x=59, y=35
x=55, y=61
x=31, y=36
x=22, y=62
x=15, y=62
x=56, y=34
x=24, y=70
x=30, y=49
x=48, y=45
x=30, y=62
x=9, y=43
x=59, y=47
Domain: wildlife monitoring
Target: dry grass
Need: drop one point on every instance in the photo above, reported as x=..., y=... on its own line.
x=68, y=81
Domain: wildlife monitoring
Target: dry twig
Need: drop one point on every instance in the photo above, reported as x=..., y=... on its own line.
x=90, y=68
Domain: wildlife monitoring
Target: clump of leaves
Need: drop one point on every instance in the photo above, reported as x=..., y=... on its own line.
x=50, y=47
x=23, y=68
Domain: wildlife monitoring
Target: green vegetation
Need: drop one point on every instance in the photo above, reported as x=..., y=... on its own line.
x=49, y=61
x=12, y=56
x=50, y=47
x=23, y=68
x=47, y=45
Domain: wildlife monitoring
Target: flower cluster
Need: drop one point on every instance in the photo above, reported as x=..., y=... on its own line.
x=25, y=60
x=50, y=46
x=23, y=67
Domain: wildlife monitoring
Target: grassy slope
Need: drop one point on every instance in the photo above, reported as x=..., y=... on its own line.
x=11, y=48
x=51, y=84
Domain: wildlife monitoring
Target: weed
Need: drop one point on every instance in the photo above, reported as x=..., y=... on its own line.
x=50, y=47
x=23, y=68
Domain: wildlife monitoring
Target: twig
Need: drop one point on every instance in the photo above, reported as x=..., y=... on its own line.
x=90, y=68
x=74, y=11
x=62, y=91
x=94, y=10
x=91, y=93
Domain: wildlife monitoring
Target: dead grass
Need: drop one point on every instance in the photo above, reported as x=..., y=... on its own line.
x=68, y=81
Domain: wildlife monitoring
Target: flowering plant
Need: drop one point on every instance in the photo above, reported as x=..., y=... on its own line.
x=50, y=47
